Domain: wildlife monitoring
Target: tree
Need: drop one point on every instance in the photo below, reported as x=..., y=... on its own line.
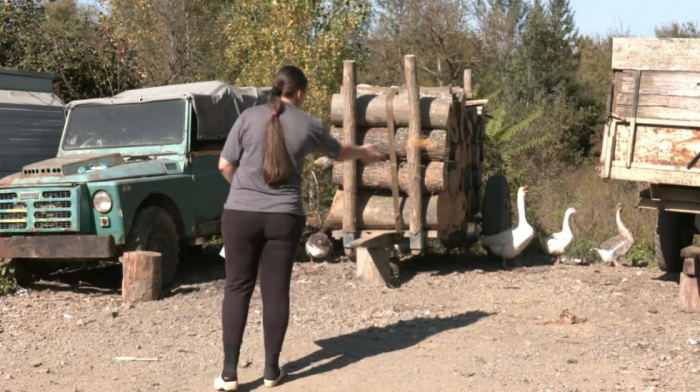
x=437, y=31
x=261, y=36
x=176, y=41
x=678, y=30
x=74, y=42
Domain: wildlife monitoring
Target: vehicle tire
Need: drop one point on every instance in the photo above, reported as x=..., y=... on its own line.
x=154, y=230
x=496, y=210
x=674, y=231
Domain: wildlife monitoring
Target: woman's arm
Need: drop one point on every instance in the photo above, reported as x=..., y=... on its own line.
x=366, y=153
x=227, y=169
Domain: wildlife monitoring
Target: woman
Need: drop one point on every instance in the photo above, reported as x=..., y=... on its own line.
x=264, y=216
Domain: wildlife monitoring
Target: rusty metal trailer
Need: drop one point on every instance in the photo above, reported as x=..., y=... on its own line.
x=652, y=135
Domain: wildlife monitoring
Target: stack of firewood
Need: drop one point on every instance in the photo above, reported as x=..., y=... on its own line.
x=448, y=131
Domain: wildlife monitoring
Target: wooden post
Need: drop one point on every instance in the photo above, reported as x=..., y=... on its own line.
x=349, y=168
x=468, y=84
x=689, y=292
x=141, y=281
x=414, y=169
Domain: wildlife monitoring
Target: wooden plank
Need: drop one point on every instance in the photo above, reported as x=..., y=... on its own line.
x=654, y=176
x=660, y=107
x=375, y=240
x=373, y=267
x=349, y=131
x=652, y=54
x=658, y=146
x=673, y=206
x=679, y=84
x=414, y=132
x=338, y=234
x=689, y=293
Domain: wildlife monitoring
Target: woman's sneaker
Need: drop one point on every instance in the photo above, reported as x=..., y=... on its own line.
x=274, y=383
x=222, y=385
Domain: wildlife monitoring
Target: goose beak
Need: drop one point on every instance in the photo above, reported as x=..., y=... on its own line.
x=575, y=211
x=525, y=190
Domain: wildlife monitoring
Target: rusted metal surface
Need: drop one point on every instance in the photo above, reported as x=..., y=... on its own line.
x=58, y=247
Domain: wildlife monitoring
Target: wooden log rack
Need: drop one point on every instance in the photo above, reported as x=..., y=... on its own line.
x=689, y=291
x=425, y=186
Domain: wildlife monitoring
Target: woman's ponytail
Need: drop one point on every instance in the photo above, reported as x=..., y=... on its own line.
x=288, y=82
x=275, y=163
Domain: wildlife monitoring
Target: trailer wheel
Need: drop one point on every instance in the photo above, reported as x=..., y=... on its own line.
x=674, y=231
x=154, y=230
x=496, y=210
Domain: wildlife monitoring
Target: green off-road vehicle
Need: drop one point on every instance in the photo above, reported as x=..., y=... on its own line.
x=138, y=171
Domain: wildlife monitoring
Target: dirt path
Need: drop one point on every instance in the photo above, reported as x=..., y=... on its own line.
x=447, y=326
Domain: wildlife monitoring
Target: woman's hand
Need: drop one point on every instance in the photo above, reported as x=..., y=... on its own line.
x=369, y=155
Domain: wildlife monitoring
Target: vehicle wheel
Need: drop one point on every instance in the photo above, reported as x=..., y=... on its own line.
x=674, y=231
x=154, y=230
x=496, y=210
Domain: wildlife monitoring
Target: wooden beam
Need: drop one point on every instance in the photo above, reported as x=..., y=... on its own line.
x=414, y=132
x=349, y=130
x=652, y=54
x=375, y=240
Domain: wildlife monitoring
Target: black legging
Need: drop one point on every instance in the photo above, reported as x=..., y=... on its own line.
x=270, y=241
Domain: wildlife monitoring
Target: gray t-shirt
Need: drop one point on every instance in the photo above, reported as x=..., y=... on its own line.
x=245, y=149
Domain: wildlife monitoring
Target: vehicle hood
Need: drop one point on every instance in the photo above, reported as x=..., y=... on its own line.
x=82, y=169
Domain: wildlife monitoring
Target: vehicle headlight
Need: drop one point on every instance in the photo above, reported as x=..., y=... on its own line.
x=102, y=202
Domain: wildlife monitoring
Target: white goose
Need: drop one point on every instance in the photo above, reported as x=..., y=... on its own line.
x=510, y=243
x=319, y=245
x=618, y=246
x=556, y=244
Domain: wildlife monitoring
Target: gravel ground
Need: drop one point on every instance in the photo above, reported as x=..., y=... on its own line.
x=448, y=324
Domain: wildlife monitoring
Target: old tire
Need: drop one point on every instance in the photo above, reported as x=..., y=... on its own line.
x=496, y=210
x=674, y=231
x=154, y=230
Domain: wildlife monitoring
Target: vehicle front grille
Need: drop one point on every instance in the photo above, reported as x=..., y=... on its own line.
x=52, y=215
x=13, y=226
x=39, y=205
x=8, y=196
x=56, y=195
x=52, y=225
x=51, y=210
x=7, y=216
x=13, y=206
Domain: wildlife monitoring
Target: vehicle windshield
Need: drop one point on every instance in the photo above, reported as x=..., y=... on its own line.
x=130, y=125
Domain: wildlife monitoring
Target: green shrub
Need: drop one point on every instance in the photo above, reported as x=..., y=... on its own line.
x=7, y=281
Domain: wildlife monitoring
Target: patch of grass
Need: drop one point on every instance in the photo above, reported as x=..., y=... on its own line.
x=7, y=281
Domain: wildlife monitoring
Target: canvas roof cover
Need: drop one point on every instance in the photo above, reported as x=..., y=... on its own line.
x=216, y=104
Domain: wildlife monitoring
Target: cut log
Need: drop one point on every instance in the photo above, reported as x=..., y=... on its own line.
x=689, y=290
x=434, y=177
x=371, y=111
x=375, y=211
x=141, y=279
x=433, y=144
x=468, y=83
x=428, y=92
x=414, y=121
x=455, y=178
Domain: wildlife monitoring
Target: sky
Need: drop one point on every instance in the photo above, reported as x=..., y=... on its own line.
x=641, y=16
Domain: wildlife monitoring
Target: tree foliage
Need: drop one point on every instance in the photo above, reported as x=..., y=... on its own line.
x=678, y=30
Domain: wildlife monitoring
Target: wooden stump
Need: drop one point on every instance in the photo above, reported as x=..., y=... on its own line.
x=141, y=281
x=689, y=293
x=373, y=259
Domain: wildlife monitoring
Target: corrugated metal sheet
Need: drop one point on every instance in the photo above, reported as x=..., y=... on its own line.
x=31, y=123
